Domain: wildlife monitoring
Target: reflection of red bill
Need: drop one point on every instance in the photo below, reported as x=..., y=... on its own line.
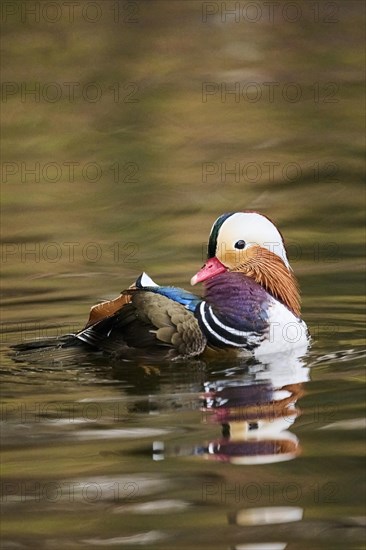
x=212, y=267
x=255, y=451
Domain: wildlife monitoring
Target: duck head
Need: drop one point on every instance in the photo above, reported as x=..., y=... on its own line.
x=249, y=243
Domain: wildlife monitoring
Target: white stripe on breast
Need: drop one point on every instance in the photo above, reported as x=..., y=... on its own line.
x=229, y=329
x=217, y=336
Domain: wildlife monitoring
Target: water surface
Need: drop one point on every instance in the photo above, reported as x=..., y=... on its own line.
x=222, y=454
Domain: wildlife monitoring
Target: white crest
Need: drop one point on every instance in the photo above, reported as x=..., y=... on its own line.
x=254, y=229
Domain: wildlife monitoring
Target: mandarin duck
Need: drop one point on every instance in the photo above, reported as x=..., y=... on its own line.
x=250, y=303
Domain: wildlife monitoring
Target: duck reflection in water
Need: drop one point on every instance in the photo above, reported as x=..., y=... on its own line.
x=255, y=411
x=255, y=417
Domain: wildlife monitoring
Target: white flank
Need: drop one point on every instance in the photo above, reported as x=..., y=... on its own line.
x=286, y=331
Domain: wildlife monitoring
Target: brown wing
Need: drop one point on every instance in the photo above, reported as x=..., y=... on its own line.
x=107, y=308
x=143, y=319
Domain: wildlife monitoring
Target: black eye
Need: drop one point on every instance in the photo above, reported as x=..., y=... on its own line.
x=239, y=244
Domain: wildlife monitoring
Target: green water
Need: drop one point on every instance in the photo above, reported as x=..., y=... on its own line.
x=119, y=161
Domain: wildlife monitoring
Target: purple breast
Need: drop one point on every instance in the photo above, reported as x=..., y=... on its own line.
x=238, y=301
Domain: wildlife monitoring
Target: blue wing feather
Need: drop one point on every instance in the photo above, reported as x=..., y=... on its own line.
x=187, y=299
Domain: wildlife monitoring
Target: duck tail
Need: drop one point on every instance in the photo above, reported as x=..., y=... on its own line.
x=64, y=341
